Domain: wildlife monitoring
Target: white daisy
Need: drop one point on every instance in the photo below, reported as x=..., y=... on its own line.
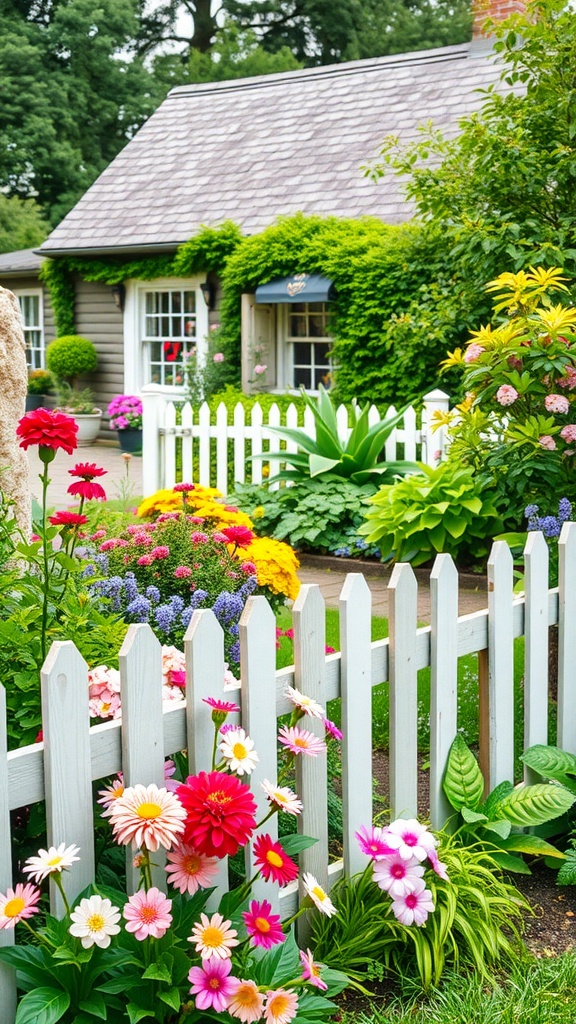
x=320, y=899
x=306, y=704
x=50, y=861
x=283, y=797
x=95, y=920
x=238, y=750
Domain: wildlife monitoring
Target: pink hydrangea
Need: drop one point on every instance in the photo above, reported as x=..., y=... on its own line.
x=568, y=433
x=142, y=539
x=556, y=403
x=199, y=538
x=218, y=357
x=547, y=442
x=162, y=551
x=145, y=560
x=569, y=378
x=473, y=352
x=182, y=572
x=114, y=542
x=506, y=394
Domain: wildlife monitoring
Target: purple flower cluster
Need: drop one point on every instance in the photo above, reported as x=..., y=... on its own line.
x=125, y=411
x=549, y=525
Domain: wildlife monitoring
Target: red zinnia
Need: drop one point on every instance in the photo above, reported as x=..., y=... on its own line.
x=221, y=813
x=273, y=861
x=183, y=488
x=241, y=536
x=48, y=429
x=86, y=489
x=67, y=519
x=87, y=470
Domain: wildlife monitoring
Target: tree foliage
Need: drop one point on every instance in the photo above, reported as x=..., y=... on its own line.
x=22, y=225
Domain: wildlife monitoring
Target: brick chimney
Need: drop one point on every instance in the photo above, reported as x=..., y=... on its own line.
x=496, y=9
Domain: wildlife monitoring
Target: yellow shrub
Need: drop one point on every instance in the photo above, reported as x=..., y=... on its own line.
x=276, y=565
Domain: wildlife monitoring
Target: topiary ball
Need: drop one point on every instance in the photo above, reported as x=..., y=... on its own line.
x=71, y=356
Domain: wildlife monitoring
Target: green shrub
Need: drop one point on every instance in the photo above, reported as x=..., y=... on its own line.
x=71, y=356
x=446, y=509
x=314, y=515
x=40, y=382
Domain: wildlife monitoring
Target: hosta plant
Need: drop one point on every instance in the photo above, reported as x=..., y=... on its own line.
x=359, y=459
x=447, y=509
x=500, y=821
x=558, y=766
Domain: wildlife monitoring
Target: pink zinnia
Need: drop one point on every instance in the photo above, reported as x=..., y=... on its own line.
x=183, y=488
x=332, y=729
x=247, y=1003
x=148, y=913
x=182, y=572
x=87, y=489
x=506, y=394
x=212, y=985
x=301, y=741
x=413, y=907
x=241, y=536
x=373, y=843
x=18, y=904
x=263, y=927
x=311, y=970
x=145, y=560
x=547, y=442
x=556, y=403
x=281, y=1006
x=568, y=433
x=395, y=875
x=147, y=816
x=189, y=870
x=410, y=838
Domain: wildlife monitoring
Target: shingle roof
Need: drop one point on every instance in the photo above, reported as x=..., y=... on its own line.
x=21, y=261
x=255, y=148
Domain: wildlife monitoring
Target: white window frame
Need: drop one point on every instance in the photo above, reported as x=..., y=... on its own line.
x=135, y=355
x=24, y=293
x=285, y=353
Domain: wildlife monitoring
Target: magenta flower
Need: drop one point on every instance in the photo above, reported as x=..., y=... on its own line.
x=301, y=741
x=332, y=729
x=182, y=572
x=473, y=352
x=160, y=552
x=373, y=843
x=311, y=970
x=148, y=913
x=218, y=357
x=397, y=876
x=199, y=538
x=437, y=865
x=182, y=488
x=263, y=927
x=413, y=907
x=223, y=706
x=212, y=985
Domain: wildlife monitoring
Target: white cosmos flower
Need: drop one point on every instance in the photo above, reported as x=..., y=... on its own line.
x=306, y=704
x=319, y=898
x=50, y=861
x=238, y=750
x=95, y=920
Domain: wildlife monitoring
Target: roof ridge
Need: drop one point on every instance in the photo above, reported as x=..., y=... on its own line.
x=415, y=57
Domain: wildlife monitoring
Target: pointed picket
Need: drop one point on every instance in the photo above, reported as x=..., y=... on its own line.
x=204, y=444
x=356, y=690
x=187, y=420
x=403, y=743
x=410, y=434
x=222, y=448
x=536, y=644
x=256, y=433
x=170, y=445
x=567, y=639
x=7, y=975
x=258, y=675
x=67, y=766
x=309, y=422
x=443, y=680
x=390, y=446
x=500, y=665
x=292, y=422
x=204, y=650
x=374, y=416
x=309, y=622
x=342, y=424
x=274, y=446
x=239, y=444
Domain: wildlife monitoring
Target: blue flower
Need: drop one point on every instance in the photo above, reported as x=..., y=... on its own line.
x=130, y=586
x=228, y=607
x=248, y=587
x=198, y=597
x=530, y=511
x=139, y=608
x=102, y=562
x=88, y=572
x=164, y=616
x=176, y=604
x=550, y=526
x=564, y=509
x=342, y=552
x=153, y=594
x=235, y=651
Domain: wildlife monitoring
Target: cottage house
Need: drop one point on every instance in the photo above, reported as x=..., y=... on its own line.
x=248, y=151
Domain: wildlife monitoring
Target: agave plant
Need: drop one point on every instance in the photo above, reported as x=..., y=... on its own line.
x=359, y=459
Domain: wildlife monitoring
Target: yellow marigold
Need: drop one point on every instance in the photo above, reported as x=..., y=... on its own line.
x=258, y=512
x=168, y=500
x=276, y=565
x=221, y=516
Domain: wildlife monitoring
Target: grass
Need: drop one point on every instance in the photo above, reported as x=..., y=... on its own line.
x=535, y=992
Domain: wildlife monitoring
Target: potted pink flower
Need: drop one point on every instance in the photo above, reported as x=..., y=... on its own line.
x=125, y=412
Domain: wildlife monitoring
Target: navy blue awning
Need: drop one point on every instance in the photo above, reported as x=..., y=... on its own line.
x=298, y=288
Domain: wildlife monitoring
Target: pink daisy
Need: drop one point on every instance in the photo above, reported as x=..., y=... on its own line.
x=332, y=729
x=246, y=1003
x=396, y=875
x=413, y=907
x=148, y=913
x=281, y=1006
x=283, y=798
x=305, y=704
x=213, y=937
x=18, y=904
x=373, y=843
x=226, y=707
x=147, y=816
x=212, y=985
x=311, y=971
x=263, y=927
x=301, y=741
x=109, y=794
x=416, y=840
x=189, y=870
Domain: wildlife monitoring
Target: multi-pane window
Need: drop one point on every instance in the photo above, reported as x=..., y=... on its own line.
x=169, y=333
x=31, y=311
x=310, y=343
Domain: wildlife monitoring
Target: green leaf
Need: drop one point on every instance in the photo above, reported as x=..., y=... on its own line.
x=95, y=1005
x=161, y=969
x=471, y=817
x=510, y=863
x=526, y=843
x=42, y=1006
x=491, y=805
x=294, y=844
x=171, y=998
x=321, y=464
x=136, y=1013
x=463, y=783
x=500, y=828
x=552, y=763
x=337, y=981
x=567, y=872
x=533, y=805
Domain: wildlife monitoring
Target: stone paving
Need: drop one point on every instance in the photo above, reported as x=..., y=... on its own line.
x=119, y=468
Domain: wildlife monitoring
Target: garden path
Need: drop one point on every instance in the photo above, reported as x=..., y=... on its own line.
x=472, y=597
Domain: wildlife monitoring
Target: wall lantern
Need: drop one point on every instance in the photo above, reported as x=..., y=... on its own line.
x=209, y=293
x=119, y=296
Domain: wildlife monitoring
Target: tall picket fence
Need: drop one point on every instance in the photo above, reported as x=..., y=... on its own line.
x=182, y=443
x=61, y=770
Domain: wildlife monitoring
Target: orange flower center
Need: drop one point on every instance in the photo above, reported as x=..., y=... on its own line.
x=95, y=923
x=300, y=742
x=148, y=914
x=191, y=864
x=212, y=937
x=239, y=751
x=148, y=811
x=14, y=907
x=278, y=1005
x=214, y=983
x=274, y=859
x=218, y=797
x=262, y=924
x=246, y=997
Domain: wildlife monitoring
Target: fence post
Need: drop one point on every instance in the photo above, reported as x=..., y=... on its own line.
x=356, y=688
x=567, y=639
x=433, y=440
x=536, y=645
x=67, y=765
x=140, y=661
x=7, y=975
x=403, y=741
x=443, y=679
x=500, y=695
x=152, y=419
x=258, y=674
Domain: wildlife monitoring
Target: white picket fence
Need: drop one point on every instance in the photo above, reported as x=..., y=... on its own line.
x=198, y=439
x=61, y=770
